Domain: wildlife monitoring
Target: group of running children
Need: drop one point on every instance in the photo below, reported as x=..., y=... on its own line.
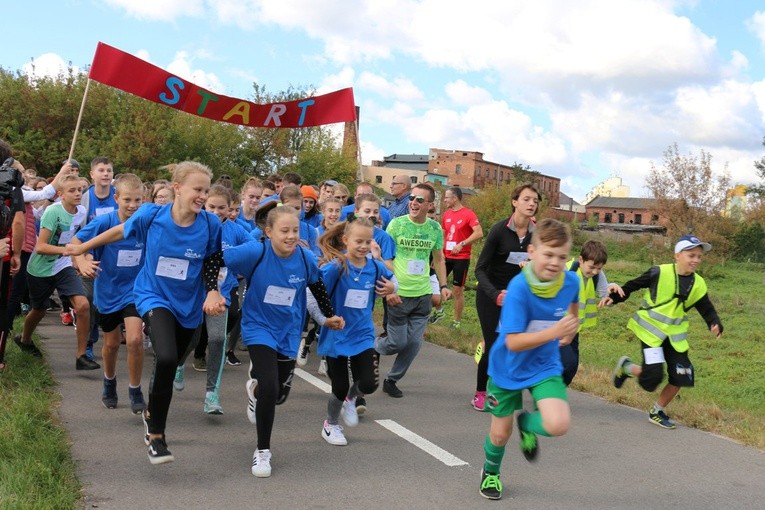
x=186, y=262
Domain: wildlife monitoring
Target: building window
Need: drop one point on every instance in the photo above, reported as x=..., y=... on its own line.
x=478, y=172
x=501, y=175
x=458, y=169
x=495, y=173
x=608, y=217
x=654, y=219
x=378, y=179
x=621, y=217
x=487, y=173
x=638, y=219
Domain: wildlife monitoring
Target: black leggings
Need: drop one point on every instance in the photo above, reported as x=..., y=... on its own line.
x=170, y=341
x=488, y=315
x=274, y=374
x=364, y=367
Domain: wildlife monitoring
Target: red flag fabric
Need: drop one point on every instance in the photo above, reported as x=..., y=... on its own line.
x=127, y=72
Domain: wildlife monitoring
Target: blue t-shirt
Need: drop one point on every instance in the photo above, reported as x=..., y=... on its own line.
x=274, y=306
x=314, y=220
x=386, y=243
x=521, y=311
x=310, y=235
x=171, y=276
x=232, y=234
x=120, y=263
x=353, y=295
x=348, y=209
x=246, y=225
x=99, y=207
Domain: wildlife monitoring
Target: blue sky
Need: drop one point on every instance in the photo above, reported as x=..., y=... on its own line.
x=581, y=90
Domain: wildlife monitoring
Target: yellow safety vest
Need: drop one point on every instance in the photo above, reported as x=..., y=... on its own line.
x=588, y=299
x=666, y=317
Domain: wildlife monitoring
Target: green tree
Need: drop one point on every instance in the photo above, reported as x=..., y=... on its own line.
x=758, y=190
x=493, y=204
x=690, y=197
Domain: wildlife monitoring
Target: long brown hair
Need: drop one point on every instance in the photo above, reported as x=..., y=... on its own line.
x=331, y=242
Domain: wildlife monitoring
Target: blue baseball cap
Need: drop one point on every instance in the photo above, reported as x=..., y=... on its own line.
x=689, y=242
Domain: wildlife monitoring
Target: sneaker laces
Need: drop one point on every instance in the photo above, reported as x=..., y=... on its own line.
x=491, y=482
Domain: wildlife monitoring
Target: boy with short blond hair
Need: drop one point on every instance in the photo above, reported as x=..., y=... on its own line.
x=49, y=270
x=661, y=325
x=539, y=313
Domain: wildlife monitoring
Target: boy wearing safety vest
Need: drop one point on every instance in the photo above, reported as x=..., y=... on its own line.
x=593, y=294
x=661, y=324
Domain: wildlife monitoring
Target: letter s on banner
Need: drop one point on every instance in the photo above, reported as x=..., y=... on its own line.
x=171, y=83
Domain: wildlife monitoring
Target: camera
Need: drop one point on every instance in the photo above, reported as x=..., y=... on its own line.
x=10, y=178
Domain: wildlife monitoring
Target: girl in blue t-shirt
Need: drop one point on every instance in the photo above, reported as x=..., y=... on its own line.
x=354, y=279
x=182, y=250
x=277, y=271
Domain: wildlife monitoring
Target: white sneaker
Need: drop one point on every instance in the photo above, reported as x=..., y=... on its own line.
x=322, y=367
x=302, y=357
x=348, y=412
x=252, y=402
x=333, y=434
x=261, y=463
x=178, y=382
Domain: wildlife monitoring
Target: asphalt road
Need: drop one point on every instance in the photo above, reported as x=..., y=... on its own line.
x=611, y=458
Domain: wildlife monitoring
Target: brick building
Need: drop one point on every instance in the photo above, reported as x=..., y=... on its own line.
x=469, y=169
x=622, y=210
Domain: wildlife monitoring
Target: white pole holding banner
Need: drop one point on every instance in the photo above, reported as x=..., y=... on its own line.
x=79, y=118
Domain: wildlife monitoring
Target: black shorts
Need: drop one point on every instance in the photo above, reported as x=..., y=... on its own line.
x=111, y=321
x=460, y=269
x=679, y=366
x=66, y=282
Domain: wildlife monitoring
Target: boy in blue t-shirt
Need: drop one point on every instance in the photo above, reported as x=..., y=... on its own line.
x=117, y=266
x=539, y=314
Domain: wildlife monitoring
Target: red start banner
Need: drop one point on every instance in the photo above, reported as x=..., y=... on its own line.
x=127, y=72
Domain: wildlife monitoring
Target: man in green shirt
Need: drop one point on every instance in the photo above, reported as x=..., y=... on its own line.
x=417, y=239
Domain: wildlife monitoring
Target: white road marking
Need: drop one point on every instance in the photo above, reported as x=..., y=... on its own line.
x=422, y=443
x=326, y=388
x=401, y=431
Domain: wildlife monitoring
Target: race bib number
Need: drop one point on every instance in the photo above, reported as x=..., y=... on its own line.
x=128, y=258
x=177, y=269
x=66, y=237
x=653, y=355
x=355, y=298
x=450, y=245
x=416, y=267
x=103, y=210
x=536, y=326
x=279, y=296
x=516, y=257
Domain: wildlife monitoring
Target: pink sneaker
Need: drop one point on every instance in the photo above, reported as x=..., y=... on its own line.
x=479, y=400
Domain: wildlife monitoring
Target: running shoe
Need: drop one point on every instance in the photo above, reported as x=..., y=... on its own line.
x=361, y=405
x=232, y=360
x=252, y=402
x=529, y=443
x=322, y=367
x=66, y=319
x=85, y=363
x=391, y=389
x=479, y=400
x=212, y=403
x=261, y=463
x=109, y=394
x=89, y=352
x=660, y=418
x=158, y=452
x=455, y=325
x=349, y=413
x=303, y=350
x=200, y=364
x=436, y=315
x=179, y=383
x=29, y=348
x=333, y=434
x=491, y=486
x=137, y=403
x=620, y=374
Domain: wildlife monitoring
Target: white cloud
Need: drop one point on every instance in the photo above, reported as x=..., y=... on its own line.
x=756, y=25
x=182, y=66
x=340, y=80
x=159, y=10
x=370, y=152
x=399, y=88
x=463, y=94
x=48, y=65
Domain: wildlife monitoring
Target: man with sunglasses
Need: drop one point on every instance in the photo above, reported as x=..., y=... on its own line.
x=400, y=188
x=417, y=237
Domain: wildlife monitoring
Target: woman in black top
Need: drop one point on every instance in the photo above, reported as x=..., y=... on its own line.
x=503, y=256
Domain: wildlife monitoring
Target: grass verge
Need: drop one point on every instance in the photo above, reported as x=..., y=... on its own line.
x=36, y=467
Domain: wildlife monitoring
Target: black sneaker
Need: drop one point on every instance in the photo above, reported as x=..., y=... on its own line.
x=109, y=395
x=84, y=363
x=232, y=360
x=529, y=443
x=620, y=375
x=145, y=417
x=661, y=419
x=491, y=486
x=391, y=389
x=361, y=405
x=29, y=348
x=137, y=403
x=158, y=452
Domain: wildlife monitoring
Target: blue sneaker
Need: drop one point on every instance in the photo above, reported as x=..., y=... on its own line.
x=660, y=418
x=109, y=395
x=137, y=403
x=178, y=382
x=89, y=352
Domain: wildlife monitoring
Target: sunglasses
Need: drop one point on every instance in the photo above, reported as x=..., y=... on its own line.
x=419, y=199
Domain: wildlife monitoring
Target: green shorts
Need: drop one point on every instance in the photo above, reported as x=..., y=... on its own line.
x=501, y=402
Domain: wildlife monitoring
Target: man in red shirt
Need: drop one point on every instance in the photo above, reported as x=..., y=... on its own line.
x=461, y=229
